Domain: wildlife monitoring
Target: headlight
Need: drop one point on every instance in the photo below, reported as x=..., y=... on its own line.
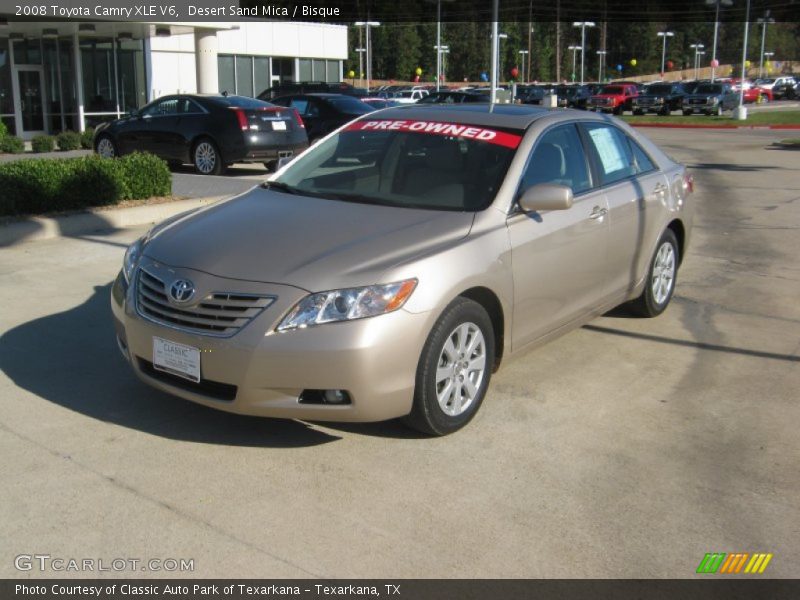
x=348, y=304
x=714, y=100
x=132, y=255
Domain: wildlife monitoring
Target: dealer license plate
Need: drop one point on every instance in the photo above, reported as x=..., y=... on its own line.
x=177, y=359
x=279, y=125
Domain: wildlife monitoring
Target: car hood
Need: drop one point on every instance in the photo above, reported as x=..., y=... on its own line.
x=312, y=243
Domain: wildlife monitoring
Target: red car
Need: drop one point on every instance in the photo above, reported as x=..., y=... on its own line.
x=614, y=98
x=752, y=92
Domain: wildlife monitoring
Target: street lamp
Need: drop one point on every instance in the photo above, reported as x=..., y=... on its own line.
x=523, y=54
x=574, y=50
x=361, y=64
x=664, y=35
x=583, y=25
x=368, y=25
x=740, y=112
x=763, y=21
x=697, y=48
x=438, y=40
x=601, y=56
x=440, y=50
x=768, y=55
x=500, y=36
x=716, y=3
x=445, y=52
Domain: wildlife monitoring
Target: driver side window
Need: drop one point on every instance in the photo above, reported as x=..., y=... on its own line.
x=558, y=158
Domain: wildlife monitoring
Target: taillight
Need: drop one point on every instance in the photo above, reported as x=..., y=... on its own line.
x=298, y=119
x=241, y=117
x=688, y=182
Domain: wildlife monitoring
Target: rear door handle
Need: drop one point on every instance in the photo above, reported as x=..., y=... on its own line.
x=660, y=188
x=598, y=213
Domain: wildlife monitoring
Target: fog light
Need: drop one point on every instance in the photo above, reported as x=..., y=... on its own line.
x=336, y=397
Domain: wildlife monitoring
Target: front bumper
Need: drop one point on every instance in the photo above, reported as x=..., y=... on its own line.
x=260, y=372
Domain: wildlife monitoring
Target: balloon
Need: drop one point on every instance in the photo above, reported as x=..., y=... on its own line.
x=633, y=62
x=619, y=67
x=514, y=72
x=484, y=76
x=670, y=64
x=351, y=73
x=714, y=63
x=418, y=71
x=747, y=64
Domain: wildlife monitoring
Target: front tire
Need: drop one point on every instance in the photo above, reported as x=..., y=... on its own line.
x=206, y=158
x=454, y=369
x=661, y=276
x=105, y=147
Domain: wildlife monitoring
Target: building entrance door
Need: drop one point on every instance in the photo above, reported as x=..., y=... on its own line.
x=30, y=101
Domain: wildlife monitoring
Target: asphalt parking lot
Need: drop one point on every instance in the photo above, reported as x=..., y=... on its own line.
x=628, y=448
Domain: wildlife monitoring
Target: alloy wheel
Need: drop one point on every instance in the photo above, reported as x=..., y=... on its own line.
x=461, y=368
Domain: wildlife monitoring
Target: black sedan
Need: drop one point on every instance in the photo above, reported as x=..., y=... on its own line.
x=573, y=96
x=209, y=131
x=323, y=113
x=448, y=97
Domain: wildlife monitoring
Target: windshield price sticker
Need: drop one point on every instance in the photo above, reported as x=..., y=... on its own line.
x=470, y=132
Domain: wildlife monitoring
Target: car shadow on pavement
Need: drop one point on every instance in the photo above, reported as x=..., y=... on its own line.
x=731, y=167
x=71, y=359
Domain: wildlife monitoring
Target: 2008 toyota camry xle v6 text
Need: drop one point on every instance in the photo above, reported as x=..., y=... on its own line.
x=389, y=270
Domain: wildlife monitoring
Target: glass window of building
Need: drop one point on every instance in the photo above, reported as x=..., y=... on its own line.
x=99, y=89
x=130, y=69
x=305, y=72
x=332, y=71
x=244, y=76
x=260, y=75
x=27, y=52
x=6, y=97
x=226, y=76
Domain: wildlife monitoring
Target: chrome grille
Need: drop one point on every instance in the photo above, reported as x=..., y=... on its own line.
x=219, y=313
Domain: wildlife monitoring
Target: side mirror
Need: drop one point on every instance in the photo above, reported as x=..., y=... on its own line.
x=546, y=196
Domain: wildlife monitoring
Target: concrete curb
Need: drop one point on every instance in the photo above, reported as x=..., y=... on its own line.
x=33, y=229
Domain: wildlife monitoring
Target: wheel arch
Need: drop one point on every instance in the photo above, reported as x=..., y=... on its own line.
x=679, y=230
x=492, y=305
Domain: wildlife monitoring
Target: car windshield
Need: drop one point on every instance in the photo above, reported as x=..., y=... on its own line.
x=406, y=163
x=659, y=89
x=566, y=91
x=349, y=105
x=611, y=89
x=708, y=88
x=763, y=81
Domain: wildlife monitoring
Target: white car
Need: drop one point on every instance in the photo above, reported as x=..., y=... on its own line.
x=409, y=96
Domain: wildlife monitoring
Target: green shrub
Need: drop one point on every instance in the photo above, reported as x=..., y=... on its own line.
x=43, y=143
x=68, y=140
x=146, y=175
x=3, y=130
x=87, y=138
x=52, y=184
x=11, y=144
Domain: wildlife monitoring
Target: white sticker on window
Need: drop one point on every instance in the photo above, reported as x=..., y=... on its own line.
x=608, y=149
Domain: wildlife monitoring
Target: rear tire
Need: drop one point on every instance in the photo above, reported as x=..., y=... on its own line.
x=454, y=369
x=206, y=157
x=687, y=113
x=661, y=276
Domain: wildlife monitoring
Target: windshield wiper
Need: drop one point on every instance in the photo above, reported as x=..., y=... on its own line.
x=280, y=186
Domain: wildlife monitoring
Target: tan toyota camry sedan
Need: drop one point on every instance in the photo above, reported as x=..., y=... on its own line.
x=389, y=270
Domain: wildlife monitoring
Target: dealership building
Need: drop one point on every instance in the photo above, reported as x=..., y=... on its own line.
x=70, y=76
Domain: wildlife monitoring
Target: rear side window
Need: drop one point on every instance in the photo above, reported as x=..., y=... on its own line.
x=642, y=162
x=558, y=158
x=612, y=152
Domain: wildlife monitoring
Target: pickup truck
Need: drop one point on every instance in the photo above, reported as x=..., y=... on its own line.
x=661, y=98
x=706, y=99
x=613, y=98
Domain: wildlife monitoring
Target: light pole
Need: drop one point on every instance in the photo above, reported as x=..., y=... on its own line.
x=583, y=25
x=763, y=21
x=574, y=50
x=500, y=36
x=361, y=64
x=768, y=55
x=700, y=56
x=494, y=53
x=740, y=112
x=445, y=52
x=440, y=50
x=664, y=35
x=368, y=25
x=601, y=56
x=697, y=48
x=523, y=54
x=716, y=3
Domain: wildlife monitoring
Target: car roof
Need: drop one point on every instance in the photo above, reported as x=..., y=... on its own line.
x=512, y=116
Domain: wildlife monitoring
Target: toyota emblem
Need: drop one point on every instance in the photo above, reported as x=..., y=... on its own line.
x=181, y=290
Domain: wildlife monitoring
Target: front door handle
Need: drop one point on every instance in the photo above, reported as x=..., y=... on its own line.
x=660, y=188
x=598, y=213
